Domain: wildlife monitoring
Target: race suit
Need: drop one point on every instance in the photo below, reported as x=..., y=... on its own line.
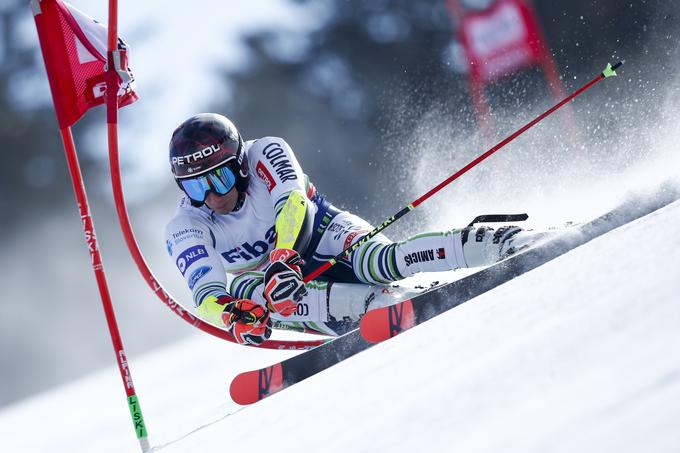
x=227, y=254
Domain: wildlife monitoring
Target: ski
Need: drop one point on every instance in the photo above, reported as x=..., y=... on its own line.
x=252, y=386
x=383, y=323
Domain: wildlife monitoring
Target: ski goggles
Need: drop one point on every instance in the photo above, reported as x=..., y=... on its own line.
x=220, y=180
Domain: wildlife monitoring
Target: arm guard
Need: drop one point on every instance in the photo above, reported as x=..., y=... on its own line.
x=294, y=223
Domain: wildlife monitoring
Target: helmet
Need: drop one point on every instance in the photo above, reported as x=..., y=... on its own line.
x=205, y=142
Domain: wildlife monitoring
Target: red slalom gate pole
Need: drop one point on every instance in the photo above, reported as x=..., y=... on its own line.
x=116, y=61
x=69, y=77
x=609, y=71
x=112, y=85
x=98, y=267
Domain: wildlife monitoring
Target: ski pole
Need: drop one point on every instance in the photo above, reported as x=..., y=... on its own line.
x=609, y=71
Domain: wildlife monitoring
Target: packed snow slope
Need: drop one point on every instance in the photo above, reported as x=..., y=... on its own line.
x=580, y=354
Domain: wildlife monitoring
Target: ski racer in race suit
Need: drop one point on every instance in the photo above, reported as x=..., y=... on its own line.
x=251, y=225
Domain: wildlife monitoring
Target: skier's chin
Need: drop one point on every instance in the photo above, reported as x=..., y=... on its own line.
x=222, y=204
x=222, y=211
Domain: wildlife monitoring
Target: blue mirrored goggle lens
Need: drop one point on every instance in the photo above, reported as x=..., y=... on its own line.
x=220, y=181
x=196, y=189
x=223, y=180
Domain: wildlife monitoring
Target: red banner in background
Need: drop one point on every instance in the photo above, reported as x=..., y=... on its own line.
x=501, y=40
x=75, y=60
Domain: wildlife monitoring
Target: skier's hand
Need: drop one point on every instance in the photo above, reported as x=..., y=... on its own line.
x=283, y=284
x=247, y=321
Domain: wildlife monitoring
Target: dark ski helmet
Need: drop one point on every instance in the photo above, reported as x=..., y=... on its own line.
x=205, y=142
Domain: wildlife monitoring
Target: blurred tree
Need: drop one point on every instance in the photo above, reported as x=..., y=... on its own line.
x=354, y=90
x=33, y=174
x=348, y=93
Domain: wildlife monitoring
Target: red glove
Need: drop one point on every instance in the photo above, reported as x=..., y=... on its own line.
x=247, y=321
x=283, y=284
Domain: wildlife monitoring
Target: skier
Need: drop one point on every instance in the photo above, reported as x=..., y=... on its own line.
x=251, y=224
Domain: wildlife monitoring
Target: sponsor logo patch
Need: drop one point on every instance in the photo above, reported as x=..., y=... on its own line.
x=190, y=256
x=283, y=291
x=248, y=251
x=279, y=160
x=350, y=237
x=265, y=176
x=194, y=157
x=419, y=257
x=197, y=275
x=187, y=233
x=441, y=253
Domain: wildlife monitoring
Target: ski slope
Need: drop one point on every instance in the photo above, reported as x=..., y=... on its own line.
x=580, y=354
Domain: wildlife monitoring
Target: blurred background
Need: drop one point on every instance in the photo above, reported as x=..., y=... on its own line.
x=380, y=100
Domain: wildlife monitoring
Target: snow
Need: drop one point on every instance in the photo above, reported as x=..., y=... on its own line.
x=577, y=355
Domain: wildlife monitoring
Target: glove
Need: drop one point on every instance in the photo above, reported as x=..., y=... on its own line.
x=247, y=321
x=283, y=284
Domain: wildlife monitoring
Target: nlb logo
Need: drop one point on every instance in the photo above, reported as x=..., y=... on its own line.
x=190, y=256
